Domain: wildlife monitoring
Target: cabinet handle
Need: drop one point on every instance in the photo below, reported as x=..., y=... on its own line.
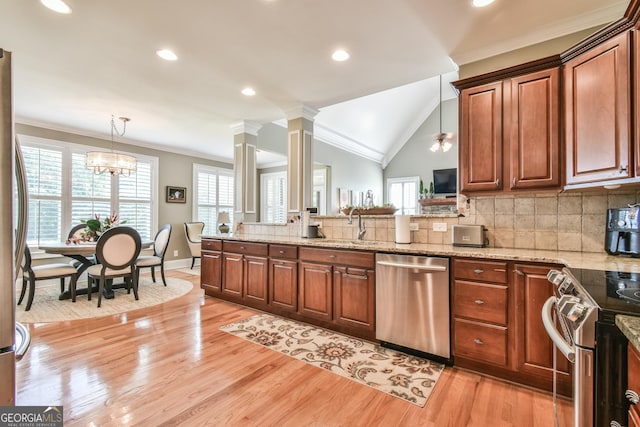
x=478, y=271
x=624, y=169
x=632, y=396
x=518, y=272
x=479, y=302
x=355, y=276
x=478, y=341
x=513, y=182
x=498, y=182
x=242, y=247
x=332, y=256
x=281, y=252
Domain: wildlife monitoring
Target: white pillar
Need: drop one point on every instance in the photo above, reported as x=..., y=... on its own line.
x=300, y=158
x=244, y=171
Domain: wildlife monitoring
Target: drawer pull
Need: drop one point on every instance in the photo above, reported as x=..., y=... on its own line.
x=242, y=247
x=478, y=271
x=478, y=341
x=280, y=252
x=479, y=302
x=332, y=256
x=632, y=396
x=518, y=272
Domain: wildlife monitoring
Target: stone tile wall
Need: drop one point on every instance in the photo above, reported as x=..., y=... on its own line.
x=548, y=221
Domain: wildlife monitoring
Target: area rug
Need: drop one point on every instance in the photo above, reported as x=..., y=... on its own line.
x=195, y=271
x=398, y=374
x=47, y=308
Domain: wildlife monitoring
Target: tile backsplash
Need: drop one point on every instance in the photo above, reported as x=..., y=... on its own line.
x=548, y=221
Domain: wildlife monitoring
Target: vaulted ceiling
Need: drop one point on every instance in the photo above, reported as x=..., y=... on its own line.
x=72, y=72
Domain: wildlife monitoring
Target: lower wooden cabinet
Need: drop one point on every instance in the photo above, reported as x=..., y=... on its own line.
x=355, y=298
x=633, y=384
x=497, y=322
x=211, y=266
x=245, y=273
x=316, y=291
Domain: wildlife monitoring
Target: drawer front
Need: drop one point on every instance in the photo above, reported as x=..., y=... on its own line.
x=211, y=245
x=333, y=256
x=485, y=271
x=283, y=251
x=633, y=370
x=480, y=341
x=246, y=248
x=480, y=301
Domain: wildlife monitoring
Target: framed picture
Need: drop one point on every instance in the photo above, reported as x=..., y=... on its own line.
x=176, y=194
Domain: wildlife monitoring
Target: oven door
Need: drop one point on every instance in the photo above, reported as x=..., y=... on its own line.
x=583, y=380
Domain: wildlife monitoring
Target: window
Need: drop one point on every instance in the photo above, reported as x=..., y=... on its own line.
x=213, y=192
x=63, y=192
x=403, y=193
x=273, y=196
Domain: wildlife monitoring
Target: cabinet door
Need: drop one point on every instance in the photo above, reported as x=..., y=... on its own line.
x=535, y=348
x=211, y=272
x=480, y=148
x=255, y=280
x=534, y=141
x=597, y=107
x=354, y=298
x=232, y=272
x=316, y=291
x=283, y=284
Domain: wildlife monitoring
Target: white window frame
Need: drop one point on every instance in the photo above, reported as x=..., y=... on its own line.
x=198, y=168
x=67, y=149
x=263, y=194
x=405, y=180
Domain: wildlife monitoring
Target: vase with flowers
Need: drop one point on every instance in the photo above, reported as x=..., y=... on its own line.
x=95, y=227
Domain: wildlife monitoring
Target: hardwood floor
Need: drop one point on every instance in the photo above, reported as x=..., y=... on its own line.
x=171, y=365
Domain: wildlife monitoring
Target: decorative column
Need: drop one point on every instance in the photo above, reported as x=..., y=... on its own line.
x=244, y=171
x=300, y=158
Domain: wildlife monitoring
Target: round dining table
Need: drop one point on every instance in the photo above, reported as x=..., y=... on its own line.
x=82, y=252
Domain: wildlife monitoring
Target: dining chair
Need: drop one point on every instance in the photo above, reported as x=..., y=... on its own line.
x=32, y=273
x=116, y=252
x=193, y=231
x=160, y=245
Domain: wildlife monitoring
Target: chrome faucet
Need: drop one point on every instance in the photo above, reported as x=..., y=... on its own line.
x=361, y=227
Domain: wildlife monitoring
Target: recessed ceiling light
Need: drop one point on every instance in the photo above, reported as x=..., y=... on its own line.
x=340, y=55
x=167, y=54
x=247, y=91
x=57, y=6
x=482, y=3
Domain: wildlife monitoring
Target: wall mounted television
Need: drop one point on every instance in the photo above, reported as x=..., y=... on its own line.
x=445, y=181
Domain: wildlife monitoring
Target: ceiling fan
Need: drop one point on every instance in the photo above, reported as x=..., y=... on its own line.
x=442, y=141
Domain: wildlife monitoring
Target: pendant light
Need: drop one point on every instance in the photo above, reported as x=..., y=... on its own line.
x=110, y=161
x=441, y=141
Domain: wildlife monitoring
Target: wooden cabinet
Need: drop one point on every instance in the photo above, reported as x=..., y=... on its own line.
x=338, y=287
x=482, y=316
x=597, y=96
x=510, y=134
x=211, y=266
x=497, y=322
x=633, y=384
x=283, y=277
x=535, y=348
x=480, y=151
x=244, y=272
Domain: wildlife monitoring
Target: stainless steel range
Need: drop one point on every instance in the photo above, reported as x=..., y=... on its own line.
x=585, y=305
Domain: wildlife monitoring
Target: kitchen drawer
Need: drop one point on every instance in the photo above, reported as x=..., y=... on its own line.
x=332, y=256
x=257, y=249
x=283, y=251
x=480, y=341
x=480, y=301
x=485, y=271
x=211, y=245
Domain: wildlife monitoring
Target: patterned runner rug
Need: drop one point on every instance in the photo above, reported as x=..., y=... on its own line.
x=407, y=377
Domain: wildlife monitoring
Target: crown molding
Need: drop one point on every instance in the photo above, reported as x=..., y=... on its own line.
x=304, y=111
x=246, y=126
x=343, y=142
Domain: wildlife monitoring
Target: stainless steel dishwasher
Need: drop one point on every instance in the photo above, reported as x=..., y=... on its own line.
x=412, y=304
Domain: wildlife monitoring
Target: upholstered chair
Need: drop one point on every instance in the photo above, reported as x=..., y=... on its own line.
x=117, y=250
x=193, y=230
x=160, y=245
x=41, y=272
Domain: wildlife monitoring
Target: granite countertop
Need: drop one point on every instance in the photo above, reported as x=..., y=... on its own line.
x=630, y=327
x=594, y=261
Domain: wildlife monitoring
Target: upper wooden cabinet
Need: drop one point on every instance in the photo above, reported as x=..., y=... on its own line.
x=597, y=102
x=510, y=134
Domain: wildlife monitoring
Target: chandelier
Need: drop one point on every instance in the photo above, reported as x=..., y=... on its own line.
x=110, y=161
x=441, y=141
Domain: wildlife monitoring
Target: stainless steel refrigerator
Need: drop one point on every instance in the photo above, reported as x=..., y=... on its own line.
x=13, y=214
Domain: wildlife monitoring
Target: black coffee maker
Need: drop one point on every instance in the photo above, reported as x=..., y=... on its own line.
x=623, y=232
